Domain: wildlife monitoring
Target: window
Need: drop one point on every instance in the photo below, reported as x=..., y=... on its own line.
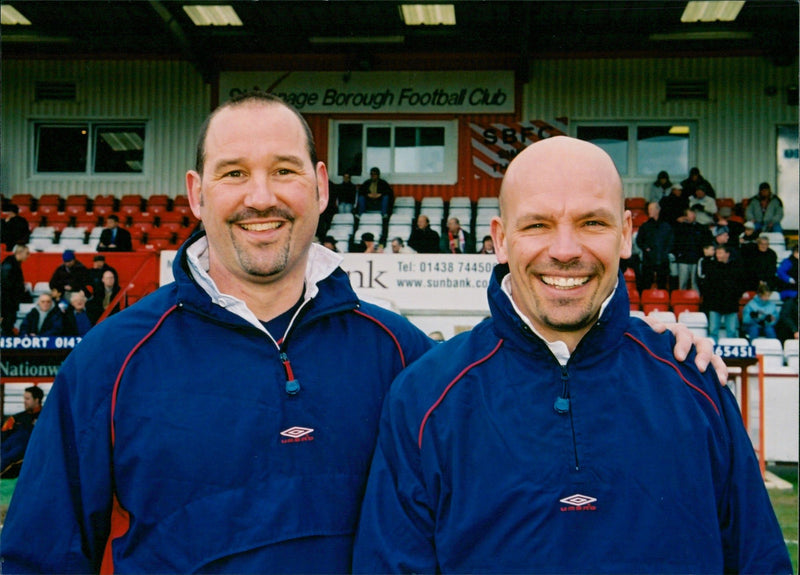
x=89, y=147
x=642, y=149
x=406, y=152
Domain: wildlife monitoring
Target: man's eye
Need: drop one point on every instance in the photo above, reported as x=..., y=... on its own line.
x=285, y=171
x=234, y=174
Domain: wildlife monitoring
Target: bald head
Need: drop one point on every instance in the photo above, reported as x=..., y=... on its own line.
x=557, y=164
x=562, y=231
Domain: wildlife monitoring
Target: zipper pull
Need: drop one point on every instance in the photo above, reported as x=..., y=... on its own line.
x=292, y=385
x=561, y=405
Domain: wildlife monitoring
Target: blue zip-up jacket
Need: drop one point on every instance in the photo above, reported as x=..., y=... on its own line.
x=210, y=464
x=492, y=458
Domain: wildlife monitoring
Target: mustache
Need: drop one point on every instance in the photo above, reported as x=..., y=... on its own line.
x=249, y=214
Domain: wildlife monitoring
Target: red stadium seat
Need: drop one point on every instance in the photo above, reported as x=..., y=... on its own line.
x=636, y=203
x=639, y=219
x=49, y=200
x=634, y=298
x=132, y=200
x=684, y=300
x=77, y=200
x=106, y=200
x=75, y=210
x=22, y=200
x=655, y=300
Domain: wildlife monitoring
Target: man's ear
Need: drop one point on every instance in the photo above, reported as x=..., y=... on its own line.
x=193, y=191
x=499, y=238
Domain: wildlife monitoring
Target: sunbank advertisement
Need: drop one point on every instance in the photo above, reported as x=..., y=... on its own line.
x=407, y=92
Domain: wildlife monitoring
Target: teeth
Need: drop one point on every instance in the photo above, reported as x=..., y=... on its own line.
x=564, y=283
x=261, y=227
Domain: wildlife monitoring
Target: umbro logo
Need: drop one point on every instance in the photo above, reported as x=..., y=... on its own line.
x=297, y=434
x=578, y=502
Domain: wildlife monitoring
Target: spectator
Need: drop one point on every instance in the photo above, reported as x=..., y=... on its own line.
x=114, y=238
x=722, y=237
x=346, y=195
x=367, y=245
x=703, y=265
x=60, y=300
x=487, y=245
x=99, y=267
x=436, y=336
x=424, y=239
x=695, y=181
x=786, y=328
x=44, y=319
x=330, y=243
x=765, y=210
x=103, y=297
x=661, y=187
x=787, y=275
x=501, y=451
x=687, y=247
x=704, y=205
x=375, y=195
x=655, y=239
x=12, y=289
x=15, y=229
x=760, y=265
x=735, y=227
x=760, y=314
x=76, y=318
x=458, y=240
x=748, y=239
x=399, y=247
x=673, y=205
x=16, y=433
x=724, y=290
x=71, y=275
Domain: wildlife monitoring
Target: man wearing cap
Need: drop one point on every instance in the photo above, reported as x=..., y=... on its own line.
x=673, y=205
x=722, y=237
x=70, y=276
x=748, y=237
x=765, y=210
x=368, y=245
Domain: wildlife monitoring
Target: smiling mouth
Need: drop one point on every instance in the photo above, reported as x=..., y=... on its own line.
x=563, y=282
x=261, y=227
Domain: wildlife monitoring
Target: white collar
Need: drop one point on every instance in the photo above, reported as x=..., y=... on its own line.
x=321, y=263
x=558, y=348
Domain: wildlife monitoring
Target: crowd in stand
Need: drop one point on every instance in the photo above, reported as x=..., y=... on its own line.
x=688, y=240
x=727, y=252
x=78, y=298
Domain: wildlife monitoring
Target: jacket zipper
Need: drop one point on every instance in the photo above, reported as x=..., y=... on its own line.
x=562, y=406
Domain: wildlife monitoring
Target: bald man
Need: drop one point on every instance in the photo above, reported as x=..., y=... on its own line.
x=560, y=435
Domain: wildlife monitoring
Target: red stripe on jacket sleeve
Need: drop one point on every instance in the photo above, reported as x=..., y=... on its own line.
x=450, y=386
x=120, y=518
x=390, y=332
x=678, y=371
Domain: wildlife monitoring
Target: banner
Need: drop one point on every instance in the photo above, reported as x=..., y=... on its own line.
x=416, y=283
x=407, y=92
